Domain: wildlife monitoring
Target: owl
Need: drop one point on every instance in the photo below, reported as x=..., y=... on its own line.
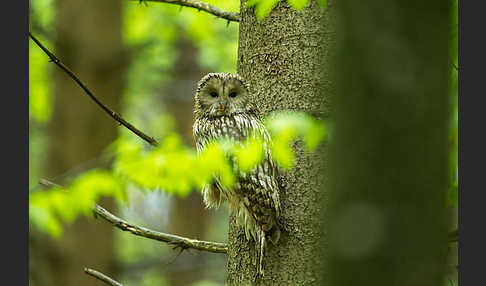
x=224, y=109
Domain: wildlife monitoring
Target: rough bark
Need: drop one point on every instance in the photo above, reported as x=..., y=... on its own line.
x=89, y=42
x=389, y=153
x=283, y=58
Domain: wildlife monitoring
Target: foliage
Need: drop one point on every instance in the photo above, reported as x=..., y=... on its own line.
x=285, y=127
x=172, y=168
x=39, y=87
x=39, y=84
x=264, y=7
x=48, y=209
x=151, y=34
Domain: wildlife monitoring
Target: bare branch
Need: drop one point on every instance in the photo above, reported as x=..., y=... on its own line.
x=182, y=242
x=48, y=184
x=110, y=112
x=177, y=241
x=102, y=277
x=230, y=16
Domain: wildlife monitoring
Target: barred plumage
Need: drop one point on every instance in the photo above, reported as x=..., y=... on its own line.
x=224, y=109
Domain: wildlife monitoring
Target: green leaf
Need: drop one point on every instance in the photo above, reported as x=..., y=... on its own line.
x=173, y=168
x=44, y=220
x=262, y=7
x=314, y=135
x=283, y=155
x=298, y=4
x=39, y=87
x=249, y=154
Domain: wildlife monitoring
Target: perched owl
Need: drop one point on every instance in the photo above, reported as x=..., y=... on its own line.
x=224, y=109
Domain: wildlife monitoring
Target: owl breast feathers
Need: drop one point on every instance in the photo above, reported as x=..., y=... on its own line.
x=224, y=109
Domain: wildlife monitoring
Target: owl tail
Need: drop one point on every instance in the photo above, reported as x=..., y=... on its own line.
x=261, y=245
x=264, y=234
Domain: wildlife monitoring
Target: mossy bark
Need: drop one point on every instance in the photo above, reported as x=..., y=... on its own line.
x=283, y=58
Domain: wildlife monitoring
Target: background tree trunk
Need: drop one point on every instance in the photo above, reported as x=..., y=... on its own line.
x=89, y=42
x=284, y=58
x=389, y=163
x=187, y=215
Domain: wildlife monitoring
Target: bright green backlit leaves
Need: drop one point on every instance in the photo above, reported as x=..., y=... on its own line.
x=39, y=87
x=48, y=209
x=41, y=18
x=175, y=168
x=264, y=7
x=249, y=154
x=298, y=4
x=286, y=127
x=172, y=167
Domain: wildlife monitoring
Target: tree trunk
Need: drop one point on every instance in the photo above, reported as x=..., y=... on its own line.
x=89, y=42
x=284, y=58
x=389, y=166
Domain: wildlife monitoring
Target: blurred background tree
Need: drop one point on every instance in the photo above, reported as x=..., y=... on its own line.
x=88, y=37
x=393, y=163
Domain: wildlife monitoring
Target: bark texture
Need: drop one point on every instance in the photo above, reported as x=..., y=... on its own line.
x=283, y=58
x=389, y=154
x=89, y=42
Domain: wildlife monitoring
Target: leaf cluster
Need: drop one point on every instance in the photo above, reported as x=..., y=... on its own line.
x=264, y=7
x=172, y=167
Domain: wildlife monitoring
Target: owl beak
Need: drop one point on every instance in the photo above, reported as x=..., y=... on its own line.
x=223, y=106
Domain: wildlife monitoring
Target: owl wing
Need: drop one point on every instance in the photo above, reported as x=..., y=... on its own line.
x=211, y=192
x=258, y=192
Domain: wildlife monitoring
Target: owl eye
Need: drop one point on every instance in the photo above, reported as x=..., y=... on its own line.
x=232, y=94
x=213, y=94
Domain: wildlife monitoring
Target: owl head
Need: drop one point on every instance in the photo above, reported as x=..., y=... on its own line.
x=220, y=94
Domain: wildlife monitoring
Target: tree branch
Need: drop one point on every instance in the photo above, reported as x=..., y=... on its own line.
x=110, y=112
x=102, y=277
x=453, y=236
x=230, y=16
x=177, y=241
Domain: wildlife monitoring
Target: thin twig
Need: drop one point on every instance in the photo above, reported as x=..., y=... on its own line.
x=110, y=112
x=102, y=277
x=48, y=184
x=230, y=16
x=176, y=241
